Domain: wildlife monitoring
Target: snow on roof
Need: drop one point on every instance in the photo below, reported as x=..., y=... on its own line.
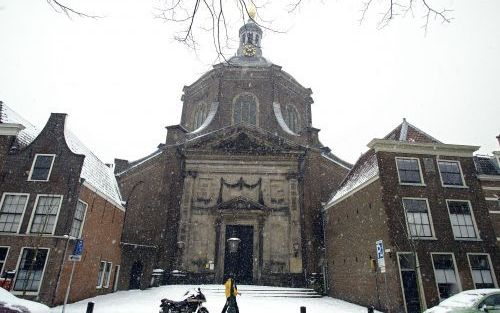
x=94, y=171
x=25, y=136
x=140, y=161
x=365, y=169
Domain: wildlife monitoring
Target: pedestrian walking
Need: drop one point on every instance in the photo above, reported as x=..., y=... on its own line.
x=231, y=291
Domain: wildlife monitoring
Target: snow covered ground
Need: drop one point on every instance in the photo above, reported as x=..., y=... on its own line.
x=148, y=301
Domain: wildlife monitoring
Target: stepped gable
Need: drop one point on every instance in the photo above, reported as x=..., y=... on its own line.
x=95, y=172
x=486, y=165
x=407, y=132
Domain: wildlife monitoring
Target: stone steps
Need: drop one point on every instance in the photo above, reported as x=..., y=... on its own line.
x=263, y=291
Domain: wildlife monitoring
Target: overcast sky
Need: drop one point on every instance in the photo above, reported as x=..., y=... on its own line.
x=120, y=78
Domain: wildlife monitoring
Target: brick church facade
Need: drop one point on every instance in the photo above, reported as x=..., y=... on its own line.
x=244, y=162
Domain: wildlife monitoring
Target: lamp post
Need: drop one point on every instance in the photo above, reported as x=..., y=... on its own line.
x=233, y=243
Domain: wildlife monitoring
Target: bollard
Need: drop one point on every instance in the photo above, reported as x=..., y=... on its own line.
x=90, y=307
x=371, y=309
x=302, y=309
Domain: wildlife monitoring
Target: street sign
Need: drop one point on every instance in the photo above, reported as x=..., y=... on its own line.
x=75, y=258
x=380, y=255
x=78, y=250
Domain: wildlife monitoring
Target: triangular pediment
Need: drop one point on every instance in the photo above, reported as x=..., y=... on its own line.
x=243, y=139
x=240, y=204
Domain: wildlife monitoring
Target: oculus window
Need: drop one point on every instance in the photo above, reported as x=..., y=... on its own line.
x=409, y=171
x=41, y=167
x=417, y=218
x=245, y=109
x=451, y=174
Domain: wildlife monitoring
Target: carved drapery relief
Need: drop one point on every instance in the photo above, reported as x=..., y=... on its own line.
x=241, y=188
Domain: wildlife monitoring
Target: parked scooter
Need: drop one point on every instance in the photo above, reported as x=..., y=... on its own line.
x=191, y=303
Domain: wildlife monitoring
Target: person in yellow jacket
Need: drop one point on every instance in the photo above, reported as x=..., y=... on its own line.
x=231, y=291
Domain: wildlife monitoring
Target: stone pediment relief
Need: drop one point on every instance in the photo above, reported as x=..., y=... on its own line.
x=244, y=140
x=241, y=204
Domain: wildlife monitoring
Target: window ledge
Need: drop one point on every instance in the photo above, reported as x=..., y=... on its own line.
x=412, y=184
x=423, y=238
x=455, y=186
x=469, y=239
x=38, y=180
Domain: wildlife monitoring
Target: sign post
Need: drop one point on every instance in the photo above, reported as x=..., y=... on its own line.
x=381, y=265
x=75, y=257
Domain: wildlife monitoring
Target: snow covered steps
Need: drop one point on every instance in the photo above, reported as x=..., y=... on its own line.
x=264, y=291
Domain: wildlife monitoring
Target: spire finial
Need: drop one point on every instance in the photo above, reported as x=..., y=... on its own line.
x=252, y=11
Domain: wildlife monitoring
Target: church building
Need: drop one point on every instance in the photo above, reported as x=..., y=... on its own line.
x=245, y=165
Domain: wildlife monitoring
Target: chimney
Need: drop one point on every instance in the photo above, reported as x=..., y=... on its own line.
x=498, y=138
x=120, y=165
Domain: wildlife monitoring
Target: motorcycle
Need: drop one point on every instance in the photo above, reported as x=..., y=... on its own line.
x=191, y=303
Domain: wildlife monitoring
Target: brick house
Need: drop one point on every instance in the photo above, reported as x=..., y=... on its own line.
x=424, y=200
x=488, y=172
x=244, y=162
x=53, y=190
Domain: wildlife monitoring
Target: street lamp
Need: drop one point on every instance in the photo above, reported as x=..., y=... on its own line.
x=233, y=243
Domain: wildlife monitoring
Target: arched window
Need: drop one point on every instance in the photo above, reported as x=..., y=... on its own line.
x=200, y=114
x=245, y=109
x=291, y=118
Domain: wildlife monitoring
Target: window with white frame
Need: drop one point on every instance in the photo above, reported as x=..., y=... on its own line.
x=107, y=274
x=11, y=212
x=462, y=220
x=445, y=273
x=100, y=275
x=30, y=270
x=409, y=171
x=418, y=217
x=451, y=173
x=104, y=275
x=45, y=214
x=3, y=257
x=41, y=167
x=78, y=219
x=482, y=273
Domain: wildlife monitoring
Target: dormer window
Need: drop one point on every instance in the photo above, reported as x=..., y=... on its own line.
x=41, y=167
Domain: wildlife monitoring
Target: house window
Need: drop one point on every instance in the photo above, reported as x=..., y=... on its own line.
x=107, y=274
x=78, y=218
x=462, y=220
x=409, y=171
x=245, y=109
x=30, y=271
x=100, y=275
x=291, y=118
x=104, y=275
x=451, y=174
x=418, y=217
x=11, y=212
x=482, y=274
x=446, y=275
x=45, y=216
x=3, y=257
x=42, y=166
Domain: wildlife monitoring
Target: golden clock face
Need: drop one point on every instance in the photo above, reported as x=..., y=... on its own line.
x=249, y=50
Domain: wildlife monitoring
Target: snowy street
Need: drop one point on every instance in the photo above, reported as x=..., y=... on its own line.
x=148, y=301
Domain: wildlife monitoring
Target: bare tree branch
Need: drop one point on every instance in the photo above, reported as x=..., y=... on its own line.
x=62, y=8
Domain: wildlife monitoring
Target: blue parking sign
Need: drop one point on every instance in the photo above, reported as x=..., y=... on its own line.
x=78, y=250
